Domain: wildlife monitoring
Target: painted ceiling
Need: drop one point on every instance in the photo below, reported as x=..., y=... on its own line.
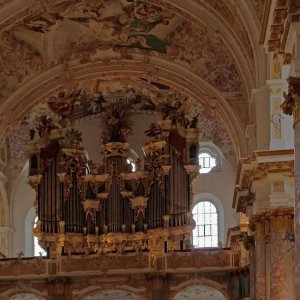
x=151, y=49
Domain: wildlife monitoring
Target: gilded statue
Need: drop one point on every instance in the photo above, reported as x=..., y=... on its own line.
x=290, y=106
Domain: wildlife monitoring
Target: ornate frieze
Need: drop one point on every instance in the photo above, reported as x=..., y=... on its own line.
x=273, y=220
x=276, y=23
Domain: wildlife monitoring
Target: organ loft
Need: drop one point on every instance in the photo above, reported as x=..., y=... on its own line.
x=150, y=150
x=83, y=207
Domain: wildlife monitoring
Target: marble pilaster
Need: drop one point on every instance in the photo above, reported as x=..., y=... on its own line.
x=279, y=269
x=260, y=261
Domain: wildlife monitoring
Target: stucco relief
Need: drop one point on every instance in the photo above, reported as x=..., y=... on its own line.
x=17, y=62
x=90, y=97
x=17, y=149
x=143, y=95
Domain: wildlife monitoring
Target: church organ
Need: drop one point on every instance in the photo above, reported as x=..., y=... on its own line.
x=88, y=208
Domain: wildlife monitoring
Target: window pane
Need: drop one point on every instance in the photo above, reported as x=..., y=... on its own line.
x=206, y=205
x=201, y=230
x=214, y=230
x=195, y=240
x=214, y=241
x=201, y=219
x=201, y=242
x=214, y=218
x=207, y=218
x=206, y=162
x=207, y=230
x=208, y=241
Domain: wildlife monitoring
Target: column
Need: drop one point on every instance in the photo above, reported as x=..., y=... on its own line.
x=280, y=226
x=291, y=106
x=260, y=261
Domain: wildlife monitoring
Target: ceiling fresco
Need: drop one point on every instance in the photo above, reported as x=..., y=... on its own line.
x=50, y=34
x=70, y=29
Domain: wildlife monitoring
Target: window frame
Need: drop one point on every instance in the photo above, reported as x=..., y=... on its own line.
x=212, y=156
x=206, y=224
x=220, y=211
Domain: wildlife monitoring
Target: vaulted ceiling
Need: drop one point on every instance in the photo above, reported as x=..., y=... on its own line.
x=206, y=50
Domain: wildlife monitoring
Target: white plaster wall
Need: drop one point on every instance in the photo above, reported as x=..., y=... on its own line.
x=22, y=197
x=221, y=184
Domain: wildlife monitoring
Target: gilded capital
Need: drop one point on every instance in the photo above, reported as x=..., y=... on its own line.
x=291, y=104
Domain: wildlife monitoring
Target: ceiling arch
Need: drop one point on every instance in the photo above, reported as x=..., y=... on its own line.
x=215, y=14
x=201, y=48
x=157, y=68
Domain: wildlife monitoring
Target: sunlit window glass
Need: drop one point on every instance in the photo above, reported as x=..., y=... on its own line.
x=37, y=249
x=207, y=162
x=205, y=233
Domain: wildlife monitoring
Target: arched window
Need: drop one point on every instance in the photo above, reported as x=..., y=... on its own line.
x=37, y=249
x=207, y=162
x=206, y=233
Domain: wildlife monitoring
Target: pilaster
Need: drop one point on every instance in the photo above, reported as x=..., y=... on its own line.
x=291, y=106
x=281, y=223
x=272, y=268
x=260, y=260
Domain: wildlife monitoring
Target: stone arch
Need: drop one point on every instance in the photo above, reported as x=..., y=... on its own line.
x=199, y=292
x=19, y=209
x=210, y=285
x=110, y=293
x=20, y=293
x=157, y=68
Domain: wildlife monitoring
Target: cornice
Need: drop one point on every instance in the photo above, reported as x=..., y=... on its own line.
x=253, y=169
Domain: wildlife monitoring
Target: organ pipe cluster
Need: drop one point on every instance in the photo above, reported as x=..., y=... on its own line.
x=88, y=208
